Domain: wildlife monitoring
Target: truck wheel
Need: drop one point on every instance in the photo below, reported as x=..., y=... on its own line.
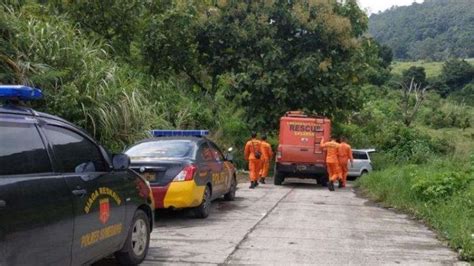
x=138, y=241
x=278, y=179
x=323, y=180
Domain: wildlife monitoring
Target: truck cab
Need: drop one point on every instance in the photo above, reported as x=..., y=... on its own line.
x=299, y=153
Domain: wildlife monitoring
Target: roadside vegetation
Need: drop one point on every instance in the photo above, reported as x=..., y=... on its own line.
x=426, y=169
x=121, y=68
x=440, y=192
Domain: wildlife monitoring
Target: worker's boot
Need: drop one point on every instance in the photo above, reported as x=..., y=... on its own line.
x=252, y=185
x=331, y=186
x=262, y=180
x=341, y=184
x=256, y=183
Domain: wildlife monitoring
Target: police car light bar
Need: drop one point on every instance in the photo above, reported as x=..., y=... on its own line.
x=173, y=133
x=19, y=92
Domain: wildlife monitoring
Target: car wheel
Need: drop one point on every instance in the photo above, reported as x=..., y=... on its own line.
x=363, y=173
x=202, y=211
x=136, y=246
x=279, y=178
x=230, y=196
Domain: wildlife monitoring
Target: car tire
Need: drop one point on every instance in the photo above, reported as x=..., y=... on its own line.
x=202, y=211
x=278, y=178
x=230, y=196
x=363, y=173
x=136, y=245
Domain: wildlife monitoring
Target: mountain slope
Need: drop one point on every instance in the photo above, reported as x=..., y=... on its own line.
x=435, y=29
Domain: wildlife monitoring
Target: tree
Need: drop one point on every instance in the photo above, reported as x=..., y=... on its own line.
x=456, y=73
x=417, y=74
x=386, y=54
x=169, y=43
x=267, y=56
x=413, y=96
x=379, y=58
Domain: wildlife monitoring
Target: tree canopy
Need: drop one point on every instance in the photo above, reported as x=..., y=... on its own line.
x=271, y=56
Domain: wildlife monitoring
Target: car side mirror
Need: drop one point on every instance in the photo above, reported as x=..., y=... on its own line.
x=121, y=161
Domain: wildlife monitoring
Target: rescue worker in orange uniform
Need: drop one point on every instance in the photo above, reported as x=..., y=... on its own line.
x=253, y=154
x=332, y=161
x=267, y=155
x=344, y=154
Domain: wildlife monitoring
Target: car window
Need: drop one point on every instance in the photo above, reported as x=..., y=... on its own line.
x=216, y=152
x=205, y=153
x=21, y=150
x=161, y=149
x=73, y=152
x=360, y=155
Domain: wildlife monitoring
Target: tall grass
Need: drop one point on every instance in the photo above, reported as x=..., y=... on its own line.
x=125, y=121
x=83, y=83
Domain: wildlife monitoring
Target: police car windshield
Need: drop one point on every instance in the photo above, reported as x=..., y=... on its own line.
x=161, y=149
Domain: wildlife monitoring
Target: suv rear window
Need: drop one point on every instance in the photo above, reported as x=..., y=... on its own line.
x=21, y=150
x=161, y=149
x=360, y=155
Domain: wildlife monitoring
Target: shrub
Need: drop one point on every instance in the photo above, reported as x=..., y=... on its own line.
x=466, y=95
x=404, y=144
x=439, y=186
x=456, y=73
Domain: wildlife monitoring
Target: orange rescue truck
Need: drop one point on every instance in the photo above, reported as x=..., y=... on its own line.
x=299, y=153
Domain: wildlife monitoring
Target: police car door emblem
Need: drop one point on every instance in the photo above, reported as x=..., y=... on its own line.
x=104, y=213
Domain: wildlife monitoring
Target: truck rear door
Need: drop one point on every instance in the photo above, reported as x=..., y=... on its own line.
x=300, y=138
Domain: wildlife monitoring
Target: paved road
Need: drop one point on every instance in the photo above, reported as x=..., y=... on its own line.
x=295, y=224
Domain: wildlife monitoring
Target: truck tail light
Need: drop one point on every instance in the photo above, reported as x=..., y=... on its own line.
x=186, y=174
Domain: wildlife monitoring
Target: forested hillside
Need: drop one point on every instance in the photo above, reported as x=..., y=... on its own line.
x=435, y=29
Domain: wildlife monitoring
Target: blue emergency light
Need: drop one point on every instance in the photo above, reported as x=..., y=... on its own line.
x=19, y=92
x=184, y=133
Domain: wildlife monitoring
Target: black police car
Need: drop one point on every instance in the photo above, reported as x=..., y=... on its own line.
x=185, y=170
x=63, y=199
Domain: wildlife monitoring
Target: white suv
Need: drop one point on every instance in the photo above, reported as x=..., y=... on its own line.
x=362, y=164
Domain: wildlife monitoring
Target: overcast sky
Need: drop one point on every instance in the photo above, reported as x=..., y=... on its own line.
x=374, y=6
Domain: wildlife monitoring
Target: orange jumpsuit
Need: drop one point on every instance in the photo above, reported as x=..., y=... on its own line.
x=344, y=154
x=251, y=147
x=332, y=161
x=267, y=155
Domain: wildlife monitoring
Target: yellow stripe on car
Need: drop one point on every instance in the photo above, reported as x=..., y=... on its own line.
x=183, y=194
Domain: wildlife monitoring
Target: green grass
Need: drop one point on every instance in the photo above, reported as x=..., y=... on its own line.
x=433, y=69
x=462, y=140
x=441, y=193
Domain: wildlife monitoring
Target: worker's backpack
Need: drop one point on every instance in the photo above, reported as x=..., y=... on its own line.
x=257, y=154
